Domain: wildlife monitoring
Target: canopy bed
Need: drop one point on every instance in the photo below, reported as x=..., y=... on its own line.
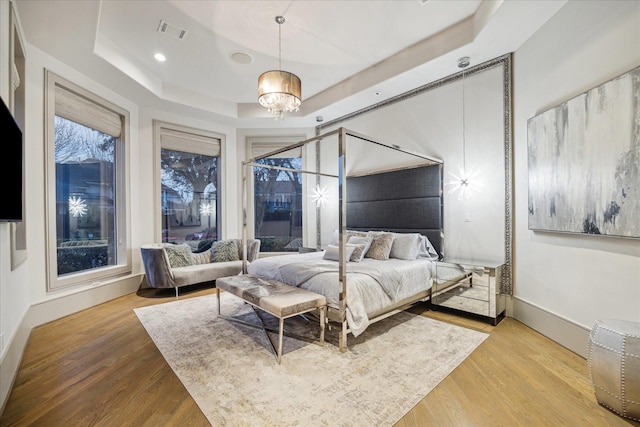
x=376, y=234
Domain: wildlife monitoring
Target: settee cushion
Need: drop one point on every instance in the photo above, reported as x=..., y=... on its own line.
x=205, y=272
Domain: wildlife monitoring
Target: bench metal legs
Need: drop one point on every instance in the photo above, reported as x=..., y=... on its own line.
x=280, y=331
x=266, y=330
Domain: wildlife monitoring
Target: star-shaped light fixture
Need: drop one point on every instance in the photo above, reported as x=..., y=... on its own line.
x=319, y=196
x=206, y=209
x=77, y=206
x=465, y=182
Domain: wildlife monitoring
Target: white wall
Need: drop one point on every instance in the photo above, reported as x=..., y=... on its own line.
x=563, y=283
x=431, y=123
x=14, y=295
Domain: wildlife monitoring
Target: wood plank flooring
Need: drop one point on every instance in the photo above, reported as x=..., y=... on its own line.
x=99, y=367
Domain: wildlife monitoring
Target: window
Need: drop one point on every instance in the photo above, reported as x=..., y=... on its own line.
x=277, y=198
x=86, y=174
x=189, y=185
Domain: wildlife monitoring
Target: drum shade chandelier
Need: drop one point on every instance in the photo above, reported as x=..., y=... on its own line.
x=279, y=91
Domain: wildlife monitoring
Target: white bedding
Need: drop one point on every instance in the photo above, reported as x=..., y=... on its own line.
x=372, y=285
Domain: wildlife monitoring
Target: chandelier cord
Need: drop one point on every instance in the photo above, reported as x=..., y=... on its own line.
x=464, y=131
x=279, y=45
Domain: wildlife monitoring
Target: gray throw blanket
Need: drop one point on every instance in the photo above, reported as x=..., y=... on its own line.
x=297, y=274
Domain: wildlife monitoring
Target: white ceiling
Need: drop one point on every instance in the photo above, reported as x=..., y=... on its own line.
x=348, y=54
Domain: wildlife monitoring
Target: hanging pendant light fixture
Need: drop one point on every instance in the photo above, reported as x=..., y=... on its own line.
x=279, y=91
x=465, y=181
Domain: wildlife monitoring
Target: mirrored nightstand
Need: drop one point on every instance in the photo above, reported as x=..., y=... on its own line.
x=470, y=287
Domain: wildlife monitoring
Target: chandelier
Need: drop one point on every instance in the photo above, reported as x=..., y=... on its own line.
x=279, y=91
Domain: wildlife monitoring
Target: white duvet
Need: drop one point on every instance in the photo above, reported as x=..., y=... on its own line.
x=372, y=284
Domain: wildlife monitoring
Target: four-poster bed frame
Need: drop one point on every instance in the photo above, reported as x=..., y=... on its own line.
x=403, y=194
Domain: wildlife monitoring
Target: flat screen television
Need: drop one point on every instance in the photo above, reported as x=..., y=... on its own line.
x=11, y=207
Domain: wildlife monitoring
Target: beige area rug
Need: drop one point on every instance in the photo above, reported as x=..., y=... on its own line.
x=232, y=373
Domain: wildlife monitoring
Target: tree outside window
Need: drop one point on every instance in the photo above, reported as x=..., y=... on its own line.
x=278, y=205
x=189, y=198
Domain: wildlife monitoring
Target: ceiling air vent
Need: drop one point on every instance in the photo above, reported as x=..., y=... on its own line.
x=172, y=30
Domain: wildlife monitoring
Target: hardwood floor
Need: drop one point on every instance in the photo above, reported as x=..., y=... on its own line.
x=99, y=367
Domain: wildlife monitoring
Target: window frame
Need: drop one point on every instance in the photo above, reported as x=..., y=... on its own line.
x=17, y=101
x=158, y=125
x=123, y=264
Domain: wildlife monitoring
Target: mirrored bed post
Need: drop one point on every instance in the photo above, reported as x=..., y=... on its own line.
x=342, y=235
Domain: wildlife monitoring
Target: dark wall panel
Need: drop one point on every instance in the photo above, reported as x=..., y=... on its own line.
x=403, y=201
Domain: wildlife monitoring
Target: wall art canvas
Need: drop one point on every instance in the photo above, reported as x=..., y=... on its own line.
x=584, y=162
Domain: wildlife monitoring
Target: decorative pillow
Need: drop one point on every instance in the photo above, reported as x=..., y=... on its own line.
x=333, y=253
x=201, y=257
x=179, y=255
x=405, y=246
x=225, y=250
x=358, y=252
x=362, y=245
x=352, y=233
x=380, y=245
x=203, y=246
x=426, y=249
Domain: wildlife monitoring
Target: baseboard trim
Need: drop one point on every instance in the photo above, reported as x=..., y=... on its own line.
x=46, y=311
x=11, y=359
x=565, y=332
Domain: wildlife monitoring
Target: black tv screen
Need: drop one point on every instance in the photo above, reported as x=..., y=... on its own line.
x=12, y=203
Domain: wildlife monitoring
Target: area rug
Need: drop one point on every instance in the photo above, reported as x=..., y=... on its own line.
x=231, y=371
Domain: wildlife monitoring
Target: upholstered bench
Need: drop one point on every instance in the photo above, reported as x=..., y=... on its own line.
x=614, y=365
x=276, y=298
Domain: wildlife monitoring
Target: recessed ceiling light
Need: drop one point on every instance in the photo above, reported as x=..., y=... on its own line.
x=160, y=57
x=241, y=57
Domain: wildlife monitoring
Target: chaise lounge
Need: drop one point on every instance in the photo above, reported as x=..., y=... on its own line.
x=172, y=266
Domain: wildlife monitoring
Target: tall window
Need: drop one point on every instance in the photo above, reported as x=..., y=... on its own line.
x=277, y=198
x=86, y=186
x=189, y=185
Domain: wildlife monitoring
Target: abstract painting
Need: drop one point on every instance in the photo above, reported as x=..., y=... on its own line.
x=584, y=162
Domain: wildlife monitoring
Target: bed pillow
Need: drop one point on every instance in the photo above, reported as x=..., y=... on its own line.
x=179, y=255
x=334, y=237
x=333, y=254
x=381, y=243
x=405, y=246
x=362, y=245
x=350, y=233
x=426, y=249
x=225, y=250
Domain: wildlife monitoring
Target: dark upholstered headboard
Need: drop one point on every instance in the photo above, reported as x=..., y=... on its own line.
x=402, y=201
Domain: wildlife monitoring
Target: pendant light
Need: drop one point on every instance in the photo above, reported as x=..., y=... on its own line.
x=279, y=91
x=465, y=181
